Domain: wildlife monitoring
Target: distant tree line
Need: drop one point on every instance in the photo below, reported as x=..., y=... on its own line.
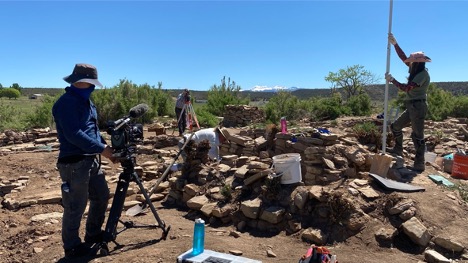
x=375, y=91
x=352, y=93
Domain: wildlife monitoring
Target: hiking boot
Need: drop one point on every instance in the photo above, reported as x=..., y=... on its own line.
x=418, y=167
x=79, y=251
x=396, y=151
x=94, y=239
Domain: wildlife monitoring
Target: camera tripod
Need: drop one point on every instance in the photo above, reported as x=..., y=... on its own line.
x=110, y=233
x=190, y=116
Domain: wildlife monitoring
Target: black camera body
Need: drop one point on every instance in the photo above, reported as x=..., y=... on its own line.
x=125, y=136
x=125, y=139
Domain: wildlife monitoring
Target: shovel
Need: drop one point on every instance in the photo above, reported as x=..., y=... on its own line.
x=137, y=209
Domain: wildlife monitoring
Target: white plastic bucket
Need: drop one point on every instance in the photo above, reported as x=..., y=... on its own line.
x=430, y=157
x=289, y=166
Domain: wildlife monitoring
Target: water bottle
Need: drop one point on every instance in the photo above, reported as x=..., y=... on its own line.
x=284, y=125
x=198, y=237
x=65, y=187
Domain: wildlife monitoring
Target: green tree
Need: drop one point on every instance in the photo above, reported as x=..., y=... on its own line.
x=228, y=93
x=1, y=86
x=16, y=86
x=114, y=103
x=282, y=104
x=461, y=107
x=10, y=93
x=328, y=108
x=352, y=80
x=441, y=103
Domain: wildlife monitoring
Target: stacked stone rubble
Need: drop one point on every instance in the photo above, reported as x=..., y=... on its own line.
x=242, y=189
x=39, y=136
x=242, y=115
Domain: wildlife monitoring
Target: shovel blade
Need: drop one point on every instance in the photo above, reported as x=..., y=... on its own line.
x=134, y=211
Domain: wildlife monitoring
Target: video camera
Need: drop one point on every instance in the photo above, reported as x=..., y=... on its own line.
x=125, y=135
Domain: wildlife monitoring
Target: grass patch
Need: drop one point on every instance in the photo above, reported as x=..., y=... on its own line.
x=463, y=191
x=22, y=104
x=14, y=112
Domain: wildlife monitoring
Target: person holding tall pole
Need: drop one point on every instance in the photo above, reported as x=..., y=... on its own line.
x=415, y=103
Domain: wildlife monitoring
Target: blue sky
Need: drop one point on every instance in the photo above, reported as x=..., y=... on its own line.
x=193, y=44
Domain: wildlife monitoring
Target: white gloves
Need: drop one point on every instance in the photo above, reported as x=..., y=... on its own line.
x=391, y=39
x=389, y=77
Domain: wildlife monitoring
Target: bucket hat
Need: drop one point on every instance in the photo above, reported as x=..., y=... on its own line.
x=84, y=73
x=418, y=57
x=224, y=132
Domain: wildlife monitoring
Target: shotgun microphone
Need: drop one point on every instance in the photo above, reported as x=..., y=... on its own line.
x=138, y=110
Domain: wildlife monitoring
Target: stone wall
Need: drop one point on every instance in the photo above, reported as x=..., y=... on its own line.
x=35, y=135
x=242, y=115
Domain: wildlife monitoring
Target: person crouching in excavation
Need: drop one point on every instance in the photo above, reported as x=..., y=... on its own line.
x=215, y=136
x=415, y=102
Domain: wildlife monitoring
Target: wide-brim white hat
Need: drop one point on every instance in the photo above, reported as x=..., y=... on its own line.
x=418, y=57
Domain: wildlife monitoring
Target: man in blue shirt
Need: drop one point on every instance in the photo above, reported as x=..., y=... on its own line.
x=80, y=146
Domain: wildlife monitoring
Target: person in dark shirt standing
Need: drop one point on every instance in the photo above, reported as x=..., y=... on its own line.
x=81, y=146
x=181, y=110
x=415, y=102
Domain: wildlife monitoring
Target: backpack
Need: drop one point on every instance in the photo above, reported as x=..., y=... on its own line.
x=318, y=255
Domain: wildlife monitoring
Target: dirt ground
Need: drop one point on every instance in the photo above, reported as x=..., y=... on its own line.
x=22, y=240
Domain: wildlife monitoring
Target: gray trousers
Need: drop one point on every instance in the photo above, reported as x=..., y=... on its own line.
x=182, y=120
x=85, y=180
x=414, y=114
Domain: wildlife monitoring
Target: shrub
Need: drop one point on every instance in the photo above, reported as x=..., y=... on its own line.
x=11, y=118
x=224, y=94
x=360, y=105
x=10, y=93
x=283, y=104
x=367, y=132
x=328, y=108
x=226, y=191
x=440, y=103
x=205, y=118
x=460, y=108
x=42, y=116
x=116, y=102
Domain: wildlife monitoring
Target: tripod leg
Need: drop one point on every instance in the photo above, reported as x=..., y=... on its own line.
x=194, y=116
x=161, y=223
x=110, y=232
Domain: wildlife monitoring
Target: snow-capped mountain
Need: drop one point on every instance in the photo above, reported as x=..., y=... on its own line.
x=271, y=89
